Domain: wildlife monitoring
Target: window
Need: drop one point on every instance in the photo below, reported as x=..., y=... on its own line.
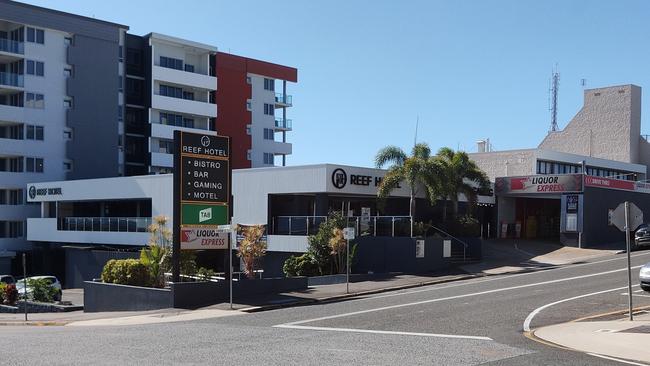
x=67, y=103
x=269, y=84
x=120, y=113
x=188, y=95
x=248, y=130
x=67, y=41
x=34, y=132
x=35, y=35
x=11, y=229
x=14, y=165
x=269, y=159
x=173, y=119
x=35, y=68
x=249, y=81
x=166, y=146
x=188, y=122
x=249, y=105
x=189, y=68
x=34, y=100
x=120, y=53
x=171, y=63
x=120, y=83
x=67, y=134
x=34, y=165
x=11, y=196
x=248, y=155
x=269, y=109
x=67, y=72
x=67, y=165
x=269, y=134
x=171, y=91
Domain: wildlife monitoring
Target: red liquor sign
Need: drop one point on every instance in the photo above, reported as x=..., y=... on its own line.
x=560, y=183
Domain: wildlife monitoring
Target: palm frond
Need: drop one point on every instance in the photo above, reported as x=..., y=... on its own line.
x=390, y=154
x=390, y=181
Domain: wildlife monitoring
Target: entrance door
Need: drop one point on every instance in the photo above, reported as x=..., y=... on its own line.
x=540, y=218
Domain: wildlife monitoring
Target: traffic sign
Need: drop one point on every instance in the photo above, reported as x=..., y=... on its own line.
x=618, y=217
x=348, y=233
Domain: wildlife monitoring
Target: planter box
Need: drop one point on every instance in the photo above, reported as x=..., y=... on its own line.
x=39, y=307
x=99, y=296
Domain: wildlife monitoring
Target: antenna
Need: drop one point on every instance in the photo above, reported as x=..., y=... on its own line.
x=417, y=122
x=555, y=84
x=583, y=83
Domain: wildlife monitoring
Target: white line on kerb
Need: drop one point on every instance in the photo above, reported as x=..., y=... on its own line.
x=530, y=316
x=456, y=297
x=350, y=330
x=617, y=359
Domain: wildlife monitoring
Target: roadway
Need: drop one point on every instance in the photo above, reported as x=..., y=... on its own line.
x=478, y=321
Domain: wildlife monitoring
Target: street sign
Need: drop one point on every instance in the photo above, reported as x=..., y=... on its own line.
x=618, y=217
x=224, y=228
x=348, y=233
x=419, y=248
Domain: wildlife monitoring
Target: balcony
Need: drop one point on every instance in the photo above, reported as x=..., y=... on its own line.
x=90, y=230
x=161, y=159
x=108, y=224
x=11, y=79
x=9, y=46
x=187, y=78
x=184, y=106
x=375, y=225
x=283, y=100
x=283, y=124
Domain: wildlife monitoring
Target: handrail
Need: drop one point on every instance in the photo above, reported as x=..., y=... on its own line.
x=465, y=245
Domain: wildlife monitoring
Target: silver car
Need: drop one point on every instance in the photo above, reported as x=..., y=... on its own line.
x=644, y=277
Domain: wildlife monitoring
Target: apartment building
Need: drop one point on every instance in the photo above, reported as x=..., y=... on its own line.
x=59, y=103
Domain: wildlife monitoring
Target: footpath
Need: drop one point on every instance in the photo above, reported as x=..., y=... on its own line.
x=610, y=336
x=500, y=257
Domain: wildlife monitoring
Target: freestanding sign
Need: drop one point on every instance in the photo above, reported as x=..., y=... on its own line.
x=201, y=192
x=627, y=217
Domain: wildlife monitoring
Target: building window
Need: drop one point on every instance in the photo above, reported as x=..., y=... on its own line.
x=171, y=63
x=120, y=53
x=13, y=165
x=248, y=130
x=67, y=72
x=67, y=134
x=188, y=95
x=67, y=41
x=248, y=155
x=269, y=109
x=269, y=84
x=67, y=103
x=34, y=165
x=249, y=105
x=171, y=119
x=166, y=146
x=11, y=197
x=269, y=159
x=11, y=229
x=171, y=91
x=189, y=68
x=67, y=165
x=34, y=132
x=188, y=122
x=36, y=68
x=35, y=35
x=269, y=134
x=34, y=100
x=249, y=80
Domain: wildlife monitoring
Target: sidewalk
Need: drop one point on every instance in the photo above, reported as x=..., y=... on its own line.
x=618, y=338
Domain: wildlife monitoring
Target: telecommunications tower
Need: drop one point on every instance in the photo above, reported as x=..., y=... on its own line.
x=553, y=89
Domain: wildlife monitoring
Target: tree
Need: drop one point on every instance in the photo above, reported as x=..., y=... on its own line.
x=417, y=170
x=159, y=247
x=251, y=247
x=459, y=175
x=319, y=244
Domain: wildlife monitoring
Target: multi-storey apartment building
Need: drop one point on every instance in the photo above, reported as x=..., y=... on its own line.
x=59, y=103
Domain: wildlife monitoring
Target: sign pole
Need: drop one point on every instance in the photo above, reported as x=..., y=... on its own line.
x=629, y=269
x=230, y=267
x=176, y=234
x=25, y=282
x=347, y=270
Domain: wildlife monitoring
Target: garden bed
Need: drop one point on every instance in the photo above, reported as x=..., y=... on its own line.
x=39, y=307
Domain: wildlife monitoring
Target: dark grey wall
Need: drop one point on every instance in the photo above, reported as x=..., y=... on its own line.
x=388, y=254
x=94, y=116
x=597, y=202
x=5, y=265
x=100, y=296
x=85, y=265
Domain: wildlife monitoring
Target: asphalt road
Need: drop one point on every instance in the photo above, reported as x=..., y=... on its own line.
x=472, y=322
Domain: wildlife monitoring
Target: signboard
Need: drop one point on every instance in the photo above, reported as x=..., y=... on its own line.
x=201, y=189
x=619, y=184
x=203, y=238
x=572, y=203
x=618, y=217
x=348, y=233
x=539, y=184
x=365, y=219
x=446, y=248
x=419, y=248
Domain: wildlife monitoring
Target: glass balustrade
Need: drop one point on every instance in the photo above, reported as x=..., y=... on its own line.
x=105, y=224
x=373, y=225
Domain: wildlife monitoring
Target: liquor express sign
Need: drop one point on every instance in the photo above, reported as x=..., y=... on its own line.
x=201, y=189
x=539, y=184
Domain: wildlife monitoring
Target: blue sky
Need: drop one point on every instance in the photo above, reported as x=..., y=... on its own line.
x=368, y=69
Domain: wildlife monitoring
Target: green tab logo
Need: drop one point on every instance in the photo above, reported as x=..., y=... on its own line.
x=205, y=215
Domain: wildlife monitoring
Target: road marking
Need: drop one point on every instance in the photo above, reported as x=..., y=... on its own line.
x=530, y=316
x=617, y=359
x=351, y=330
x=499, y=278
x=459, y=296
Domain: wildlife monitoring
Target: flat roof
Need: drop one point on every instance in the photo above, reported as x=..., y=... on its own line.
x=181, y=41
x=52, y=11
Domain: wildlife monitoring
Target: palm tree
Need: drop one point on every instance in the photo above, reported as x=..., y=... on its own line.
x=460, y=175
x=417, y=170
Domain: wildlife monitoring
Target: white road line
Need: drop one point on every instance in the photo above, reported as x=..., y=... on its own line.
x=617, y=360
x=498, y=278
x=350, y=330
x=458, y=296
x=530, y=316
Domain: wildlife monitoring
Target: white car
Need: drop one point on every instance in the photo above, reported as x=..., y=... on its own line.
x=644, y=277
x=54, y=282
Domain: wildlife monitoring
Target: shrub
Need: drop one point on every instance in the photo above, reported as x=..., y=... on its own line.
x=126, y=272
x=319, y=244
x=8, y=294
x=205, y=274
x=302, y=265
x=42, y=290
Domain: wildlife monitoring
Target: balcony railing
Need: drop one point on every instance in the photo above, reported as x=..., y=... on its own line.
x=105, y=224
x=7, y=45
x=374, y=226
x=284, y=124
x=284, y=99
x=8, y=78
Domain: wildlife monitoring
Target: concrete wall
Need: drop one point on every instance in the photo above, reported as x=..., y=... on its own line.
x=100, y=296
x=506, y=163
x=387, y=254
x=607, y=126
x=86, y=265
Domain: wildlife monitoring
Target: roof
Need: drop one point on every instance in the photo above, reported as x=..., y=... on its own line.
x=58, y=12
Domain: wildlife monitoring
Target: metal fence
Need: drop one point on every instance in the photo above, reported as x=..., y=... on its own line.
x=107, y=224
x=373, y=225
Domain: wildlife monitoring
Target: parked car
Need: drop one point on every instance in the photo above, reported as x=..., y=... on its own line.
x=642, y=236
x=644, y=277
x=7, y=279
x=54, y=282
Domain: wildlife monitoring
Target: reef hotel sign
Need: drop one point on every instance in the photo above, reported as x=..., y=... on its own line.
x=201, y=189
x=560, y=183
